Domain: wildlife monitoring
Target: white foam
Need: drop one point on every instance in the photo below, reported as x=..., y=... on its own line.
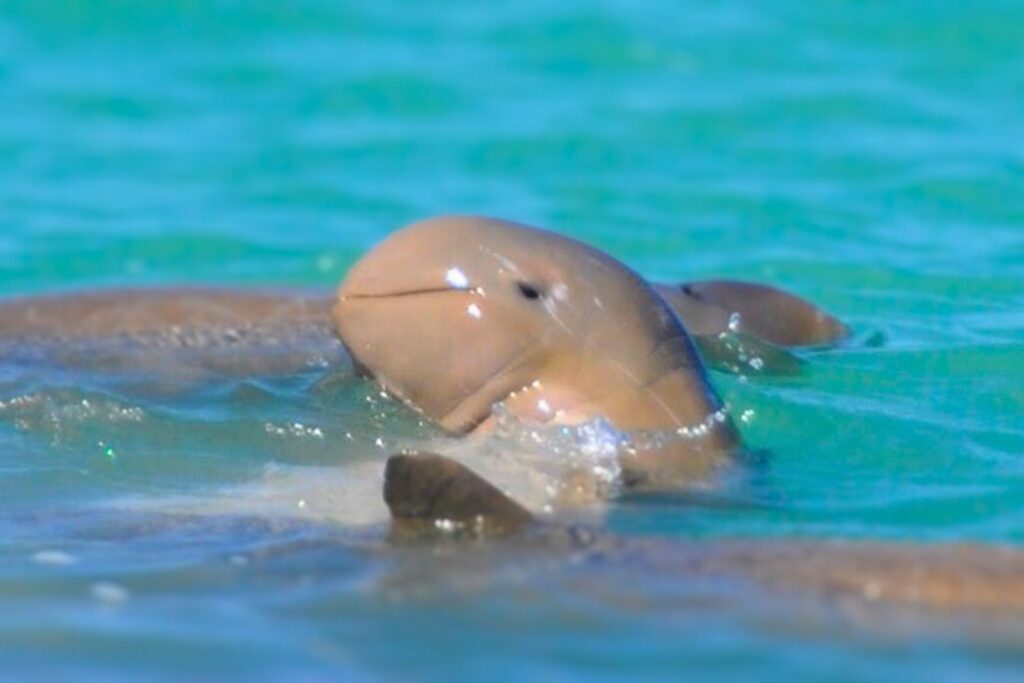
x=549, y=468
x=348, y=494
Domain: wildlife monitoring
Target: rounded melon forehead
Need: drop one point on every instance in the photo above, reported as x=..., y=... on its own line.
x=501, y=258
x=456, y=312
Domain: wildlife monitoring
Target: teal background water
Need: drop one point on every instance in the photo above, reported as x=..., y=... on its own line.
x=867, y=155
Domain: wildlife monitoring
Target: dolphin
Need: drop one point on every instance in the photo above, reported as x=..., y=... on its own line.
x=711, y=307
x=748, y=328
x=458, y=314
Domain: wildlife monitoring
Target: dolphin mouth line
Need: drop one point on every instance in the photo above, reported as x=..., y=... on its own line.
x=407, y=293
x=493, y=381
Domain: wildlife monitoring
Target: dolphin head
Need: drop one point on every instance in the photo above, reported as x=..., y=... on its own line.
x=456, y=314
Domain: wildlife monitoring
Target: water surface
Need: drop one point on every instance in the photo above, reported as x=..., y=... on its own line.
x=866, y=156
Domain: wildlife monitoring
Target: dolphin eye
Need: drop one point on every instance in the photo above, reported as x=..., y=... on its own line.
x=528, y=291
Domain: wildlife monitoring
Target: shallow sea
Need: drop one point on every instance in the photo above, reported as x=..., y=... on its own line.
x=867, y=155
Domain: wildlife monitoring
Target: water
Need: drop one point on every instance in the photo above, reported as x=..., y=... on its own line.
x=867, y=156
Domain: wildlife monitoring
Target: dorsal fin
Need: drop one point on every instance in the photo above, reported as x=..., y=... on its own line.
x=429, y=493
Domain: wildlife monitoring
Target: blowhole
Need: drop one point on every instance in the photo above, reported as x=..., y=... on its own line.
x=529, y=291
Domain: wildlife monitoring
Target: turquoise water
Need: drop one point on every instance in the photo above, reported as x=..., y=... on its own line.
x=868, y=156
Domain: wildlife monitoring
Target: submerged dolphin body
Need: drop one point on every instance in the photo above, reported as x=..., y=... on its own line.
x=714, y=306
x=423, y=489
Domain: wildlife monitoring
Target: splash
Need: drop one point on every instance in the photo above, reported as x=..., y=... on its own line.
x=565, y=452
x=580, y=464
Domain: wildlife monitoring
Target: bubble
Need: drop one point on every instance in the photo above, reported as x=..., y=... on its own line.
x=586, y=458
x=591, y=449
x=295, y=429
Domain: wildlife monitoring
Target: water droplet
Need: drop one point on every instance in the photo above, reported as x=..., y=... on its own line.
x=108, y=451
